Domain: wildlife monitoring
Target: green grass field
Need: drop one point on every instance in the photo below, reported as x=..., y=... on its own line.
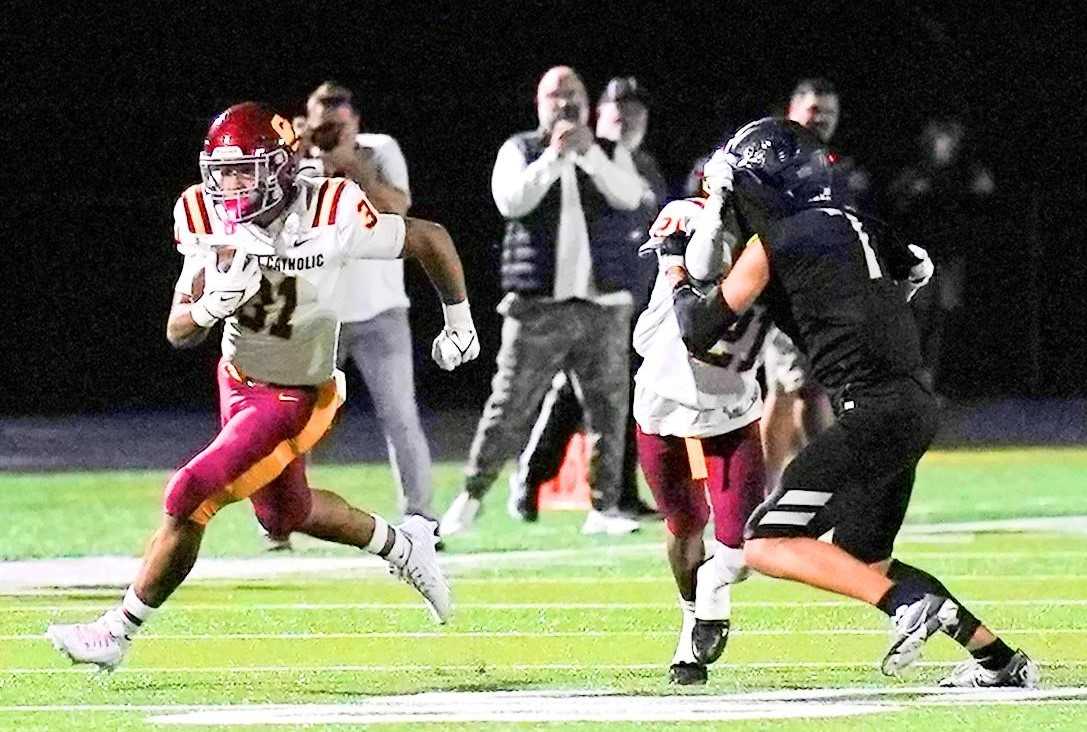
x=544, y=618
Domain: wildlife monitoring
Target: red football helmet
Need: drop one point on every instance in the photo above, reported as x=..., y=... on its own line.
x=248, y=161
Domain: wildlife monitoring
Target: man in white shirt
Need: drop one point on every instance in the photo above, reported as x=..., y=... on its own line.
x=371, y=300
x=622, y=115
x=567, y=305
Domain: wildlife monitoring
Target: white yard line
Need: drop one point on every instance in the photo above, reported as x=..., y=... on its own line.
x=181, y=606
x=1059, y=524
x=477, y=667
x=521, y=581
x=575, y=705
x=437, y=635
x=118, y=571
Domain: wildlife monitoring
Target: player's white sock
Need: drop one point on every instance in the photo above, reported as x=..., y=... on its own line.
x=132, y=614
x=398, y=554
x=729, y=564
x=684, y=649
x=715, y=578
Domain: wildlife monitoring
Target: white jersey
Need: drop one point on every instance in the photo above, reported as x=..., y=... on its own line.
x=678, y=394
x=287, y=333
x=368, y=289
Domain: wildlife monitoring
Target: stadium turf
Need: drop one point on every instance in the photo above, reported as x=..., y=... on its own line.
x=599, y=619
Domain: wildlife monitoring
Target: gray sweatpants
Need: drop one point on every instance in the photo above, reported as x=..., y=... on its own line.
x=381, y=350
x=539, y=338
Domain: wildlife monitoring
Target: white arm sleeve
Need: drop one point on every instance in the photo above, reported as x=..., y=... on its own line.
x=622, y=188
x=517, y=187
x=709, y=253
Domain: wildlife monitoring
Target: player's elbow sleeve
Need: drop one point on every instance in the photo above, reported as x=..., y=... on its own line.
x=702, y=319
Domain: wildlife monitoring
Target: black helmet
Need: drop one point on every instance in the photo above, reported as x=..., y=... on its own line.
x=786, y=166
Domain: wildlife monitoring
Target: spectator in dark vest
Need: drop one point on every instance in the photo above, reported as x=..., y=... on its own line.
x=622, y=116
x=568, y=304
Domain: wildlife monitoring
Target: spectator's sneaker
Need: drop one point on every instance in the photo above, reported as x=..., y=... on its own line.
x=612, y=523
x=914, y=624
x=420, y=566
x=1019, y=672
x=102, y=642
x=687, y=674
x=461, y=515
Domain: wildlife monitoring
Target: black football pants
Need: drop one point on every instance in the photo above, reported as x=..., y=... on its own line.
x=857, y=476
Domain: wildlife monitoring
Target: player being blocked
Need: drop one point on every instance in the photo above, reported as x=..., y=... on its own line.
x=697, y=418
x=264, y=249
x=838, y=286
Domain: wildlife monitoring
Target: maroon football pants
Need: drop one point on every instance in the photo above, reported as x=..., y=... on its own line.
x=681, y=472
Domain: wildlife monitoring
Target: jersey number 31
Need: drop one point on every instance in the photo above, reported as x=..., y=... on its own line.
x=271, y=309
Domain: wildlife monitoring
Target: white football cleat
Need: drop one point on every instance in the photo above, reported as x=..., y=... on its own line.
x=611, y=523
x=102, y=642
x=461, y=515
x=914, y=624
x=420, y=567
x=1020, y=672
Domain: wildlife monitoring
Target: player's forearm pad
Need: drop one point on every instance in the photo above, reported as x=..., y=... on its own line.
x=702, y=318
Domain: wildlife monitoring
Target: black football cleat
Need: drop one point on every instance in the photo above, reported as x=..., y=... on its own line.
x=687, y=674
x=708, y=640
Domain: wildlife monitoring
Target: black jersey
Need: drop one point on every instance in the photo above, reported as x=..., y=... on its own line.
x=833, y=291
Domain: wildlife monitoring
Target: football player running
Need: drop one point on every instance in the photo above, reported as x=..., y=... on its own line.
x=840, y=292
x=697, y=420
x=264, y=249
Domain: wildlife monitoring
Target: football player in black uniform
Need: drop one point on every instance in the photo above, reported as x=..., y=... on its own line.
x=839, y=288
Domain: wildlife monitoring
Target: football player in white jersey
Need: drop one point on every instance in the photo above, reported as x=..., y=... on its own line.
x=264, y=249
x=698, y=429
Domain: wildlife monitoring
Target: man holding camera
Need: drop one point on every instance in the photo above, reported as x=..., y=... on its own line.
x=567, y=305
x=371, y=300
x=622, y=115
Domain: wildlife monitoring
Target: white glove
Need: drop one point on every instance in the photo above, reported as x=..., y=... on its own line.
x=920, y=273
x=225, y=292
x=717, y=174
x=457, y=343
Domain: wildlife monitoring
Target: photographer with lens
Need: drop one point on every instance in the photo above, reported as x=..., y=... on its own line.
x=568, y=304
x=370, y=300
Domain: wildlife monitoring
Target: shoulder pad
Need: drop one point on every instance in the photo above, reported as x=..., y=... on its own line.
x=323, y=199
x=192, y=211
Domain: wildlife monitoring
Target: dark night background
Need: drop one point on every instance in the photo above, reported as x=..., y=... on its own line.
x=106, y=112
